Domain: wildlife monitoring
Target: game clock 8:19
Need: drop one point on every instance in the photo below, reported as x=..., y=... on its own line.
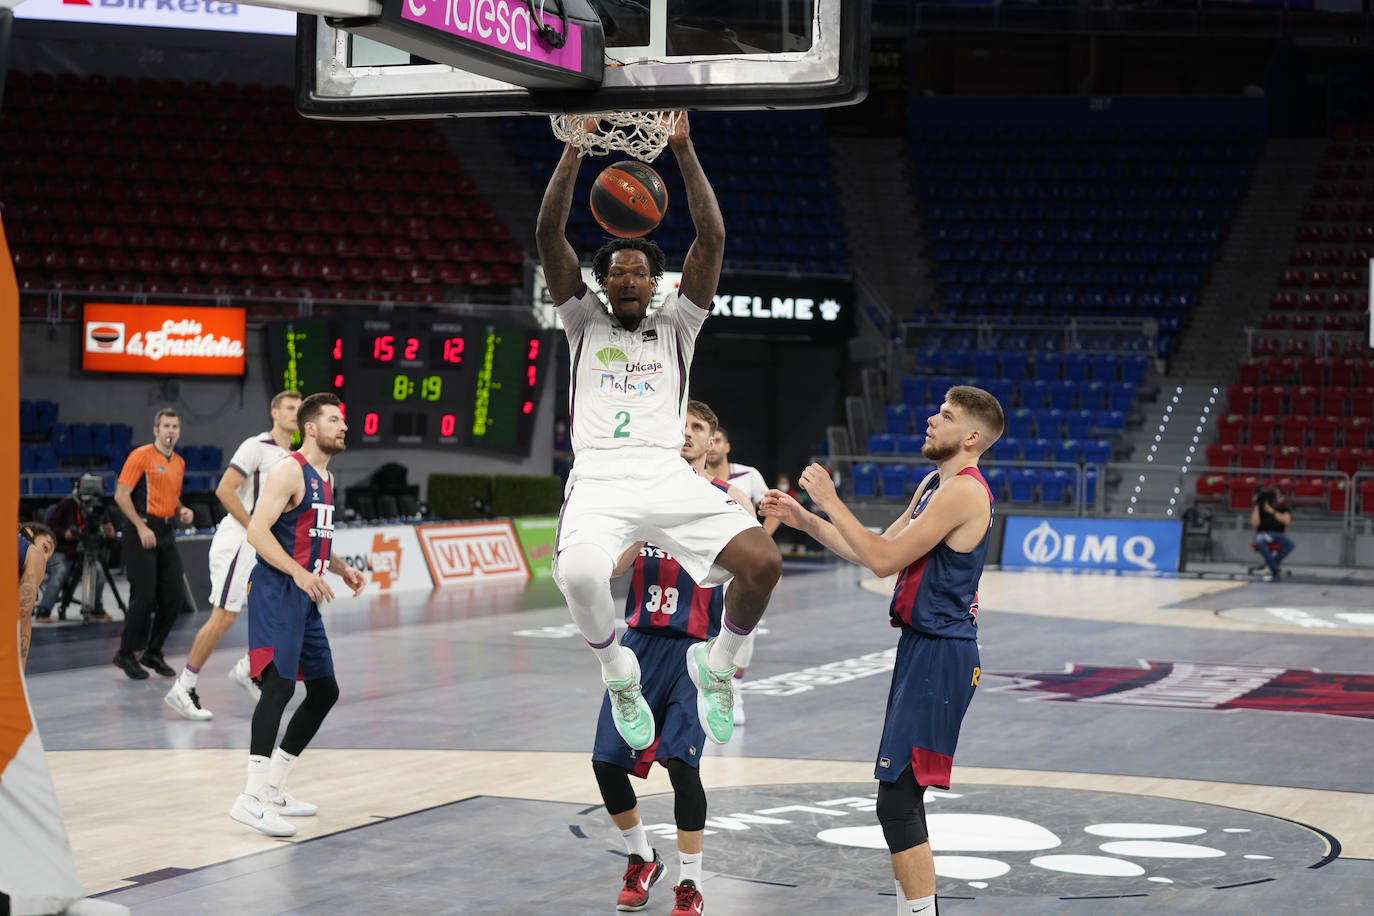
x=410, y=381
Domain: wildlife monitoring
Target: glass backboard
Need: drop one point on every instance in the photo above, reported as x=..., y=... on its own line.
x=656, y=54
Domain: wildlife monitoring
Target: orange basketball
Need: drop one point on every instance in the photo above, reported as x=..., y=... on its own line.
x=628, y=199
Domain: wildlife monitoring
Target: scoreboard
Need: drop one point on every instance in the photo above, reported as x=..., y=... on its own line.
x=431, y=381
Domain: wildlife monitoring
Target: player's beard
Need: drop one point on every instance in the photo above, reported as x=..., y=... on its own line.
x=330, y=447
x=937, y=453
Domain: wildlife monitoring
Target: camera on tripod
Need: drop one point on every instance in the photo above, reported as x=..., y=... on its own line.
x=90, y=494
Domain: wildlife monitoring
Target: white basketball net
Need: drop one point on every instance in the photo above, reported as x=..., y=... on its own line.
x=642, y=134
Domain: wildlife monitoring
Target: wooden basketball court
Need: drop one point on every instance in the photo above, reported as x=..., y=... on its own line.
x=1126, y=752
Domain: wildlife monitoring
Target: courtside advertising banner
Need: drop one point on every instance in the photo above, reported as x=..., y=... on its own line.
x=163, y=339
x=206, y=15
x=473, y=552
x=1092, y=543
x=389, y=558
x=537, y=536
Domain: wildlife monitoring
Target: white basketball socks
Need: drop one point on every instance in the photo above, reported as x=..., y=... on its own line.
x=637, y=842
x=725, y=647
x=691, y=867
x=280, y=768
x=258, y=768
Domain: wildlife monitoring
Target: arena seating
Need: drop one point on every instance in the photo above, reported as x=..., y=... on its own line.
x=772, y=175
x=52, y=454
x=1087, y=223
x=223, y=189
x=1304, y=397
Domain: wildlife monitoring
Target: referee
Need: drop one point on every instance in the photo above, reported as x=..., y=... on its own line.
x=149, y=495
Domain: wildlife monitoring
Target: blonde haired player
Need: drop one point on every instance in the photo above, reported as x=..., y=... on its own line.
x=231, y=559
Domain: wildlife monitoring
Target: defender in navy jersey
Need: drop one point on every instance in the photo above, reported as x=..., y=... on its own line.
x=629, y=372
x=291, y=529
x=666, y=613
x=937, y=546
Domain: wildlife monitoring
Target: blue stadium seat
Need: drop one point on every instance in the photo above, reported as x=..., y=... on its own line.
x=45, y=416
x=898, y=419
x=1047, y=366
x=1068, y=451
x=896, y=481
x=80, y=434
x=1020, y=422
x=61, y=440
x=1014, y=364
x=1114, y=420
x=1049, y=422
x=910, y=443
x=997, y=482
x=1123, y=396
x=1075, y=367
x=1003, y=389
x=882, y=444
x=1006, y=449
x=1064, y=395
x=1040, y=449
x=1079, y=423
x=1054, y=485
x=1023, y=481
x=1134, y=368
x=28, y=418
x=1094, y=395
x=865, y=480
x=1035, y=393
x=1105, y=367
x=915, y=390
x=1097, y=451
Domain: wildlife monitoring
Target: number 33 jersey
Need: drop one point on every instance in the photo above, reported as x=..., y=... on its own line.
x=665, y=601
x=629, y=388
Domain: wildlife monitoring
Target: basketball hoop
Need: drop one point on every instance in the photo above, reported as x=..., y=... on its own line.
x=642, y=134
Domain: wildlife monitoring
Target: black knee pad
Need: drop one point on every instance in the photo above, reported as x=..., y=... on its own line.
x=689, y=796
x=902, y=813
x=614, y=783
x=276, y=690
x=322, y=691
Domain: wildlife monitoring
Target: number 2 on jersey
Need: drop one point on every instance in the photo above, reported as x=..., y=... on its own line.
x=620, y=431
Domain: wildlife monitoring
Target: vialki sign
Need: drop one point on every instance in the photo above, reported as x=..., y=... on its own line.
x=162, y=339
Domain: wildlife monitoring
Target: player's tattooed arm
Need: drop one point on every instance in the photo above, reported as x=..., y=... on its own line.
x=29, y=582
x=561, y=270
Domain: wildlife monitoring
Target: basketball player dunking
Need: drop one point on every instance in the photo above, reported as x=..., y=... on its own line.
x=628, y=398
x=666, y=611
x=291, y=529
x=938, y=546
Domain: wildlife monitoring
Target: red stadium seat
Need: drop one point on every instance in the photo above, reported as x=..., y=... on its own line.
x=1211, y=488
x=1240, y=490
x=1286, y=457
x=1324, y=431
x=1261, y=429
x=1302, y=399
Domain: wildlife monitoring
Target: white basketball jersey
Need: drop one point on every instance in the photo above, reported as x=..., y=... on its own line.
x=749, y=480
x=629, y=388
x=254, y=457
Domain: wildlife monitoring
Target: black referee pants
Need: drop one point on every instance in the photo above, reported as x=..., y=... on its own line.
x=156, y=589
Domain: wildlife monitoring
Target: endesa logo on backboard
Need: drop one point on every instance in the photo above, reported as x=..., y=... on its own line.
x=163, y=340
x=481, y=551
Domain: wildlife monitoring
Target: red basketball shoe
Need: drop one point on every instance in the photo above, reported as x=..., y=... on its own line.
x=688, y=899
x=639, y=877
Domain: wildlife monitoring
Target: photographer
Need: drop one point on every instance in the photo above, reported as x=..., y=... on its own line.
x=80, y=522
x=1270, y=516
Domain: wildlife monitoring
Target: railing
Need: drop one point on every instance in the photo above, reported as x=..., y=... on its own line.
x=1125, y=498
x=1322, y=344
x=58, y=301
x=1074, y=330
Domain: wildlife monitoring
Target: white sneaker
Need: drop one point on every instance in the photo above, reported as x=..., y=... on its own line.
x=288, y=805
x=186, y=703
x=739, y=700
x=250, y=810
x=242, y=674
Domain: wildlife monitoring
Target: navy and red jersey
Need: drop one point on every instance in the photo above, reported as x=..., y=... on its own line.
x=306, y=531
x=937, y=595
x=666, y=601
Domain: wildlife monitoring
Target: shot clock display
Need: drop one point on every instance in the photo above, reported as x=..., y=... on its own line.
x=411, y=380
